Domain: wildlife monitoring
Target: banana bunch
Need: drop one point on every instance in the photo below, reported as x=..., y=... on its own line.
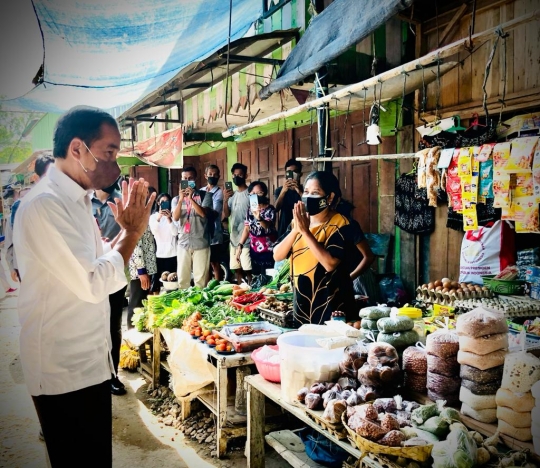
x=129, y=358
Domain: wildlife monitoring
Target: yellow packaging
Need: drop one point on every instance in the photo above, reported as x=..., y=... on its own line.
x=524, y=186
x=501, y=189
x=501, y=155
x=521, y=155
x=443, y=310
x=527, y=215
x=464, y=162
x=475, y=162
x=470, y=219
x=485, y=152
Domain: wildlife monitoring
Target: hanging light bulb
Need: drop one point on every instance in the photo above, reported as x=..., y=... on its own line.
x=373, y=132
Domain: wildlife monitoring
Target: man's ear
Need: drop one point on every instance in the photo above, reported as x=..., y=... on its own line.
x=75, y=148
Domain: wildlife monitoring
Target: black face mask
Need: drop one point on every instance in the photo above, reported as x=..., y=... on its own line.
x=113, y=187
x=238, y=181
x=314, y=205
x=213, y=181
x=262, y=200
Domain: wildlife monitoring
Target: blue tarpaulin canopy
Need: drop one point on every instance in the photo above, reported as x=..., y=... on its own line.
x=111, y=53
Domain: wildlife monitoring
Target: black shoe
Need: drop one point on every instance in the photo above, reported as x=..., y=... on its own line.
x=117, y=387
x=117, y=382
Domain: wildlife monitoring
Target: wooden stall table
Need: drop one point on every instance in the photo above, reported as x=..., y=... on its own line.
x=257, y=389
x=230, y=410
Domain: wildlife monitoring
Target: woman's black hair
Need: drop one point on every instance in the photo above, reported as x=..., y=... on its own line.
x=260, y=184
x=328, y=182
x=162, y=195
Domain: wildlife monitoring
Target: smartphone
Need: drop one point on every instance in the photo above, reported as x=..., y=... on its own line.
x=254, y=202
x=228, y=186
x=184, y=184
x=289, y=175
x=165, y=205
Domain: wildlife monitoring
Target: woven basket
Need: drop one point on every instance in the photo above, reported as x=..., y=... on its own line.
x=419, y=453
x=505, y=287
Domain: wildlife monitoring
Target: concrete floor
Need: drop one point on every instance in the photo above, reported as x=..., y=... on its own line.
x=138, y=438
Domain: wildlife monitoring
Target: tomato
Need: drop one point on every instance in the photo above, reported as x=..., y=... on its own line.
x=221, y=347
x=206, y=332
x=228, y=348
x=192, y=332
x=197, y=332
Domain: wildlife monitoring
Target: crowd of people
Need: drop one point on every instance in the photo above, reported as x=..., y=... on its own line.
x=136, y=232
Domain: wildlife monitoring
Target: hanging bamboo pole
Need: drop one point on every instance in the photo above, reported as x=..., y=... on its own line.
x=443, y=52
x=370, y=157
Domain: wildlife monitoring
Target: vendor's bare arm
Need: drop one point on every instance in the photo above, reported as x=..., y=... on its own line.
x=321, y=254
x=281, y=251
x=367, y=260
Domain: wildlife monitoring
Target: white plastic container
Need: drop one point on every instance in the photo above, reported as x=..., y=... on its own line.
x=304, y=362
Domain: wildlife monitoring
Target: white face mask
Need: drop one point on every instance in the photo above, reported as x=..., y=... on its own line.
x=95, y=159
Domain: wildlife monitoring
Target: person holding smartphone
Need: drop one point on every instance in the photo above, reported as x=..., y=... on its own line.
x=288, y=195
x=235, y=208
x=165, y=233
x=190, y=210
x=259, y=228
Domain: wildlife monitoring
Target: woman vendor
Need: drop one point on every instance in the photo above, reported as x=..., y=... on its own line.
x=317, y=242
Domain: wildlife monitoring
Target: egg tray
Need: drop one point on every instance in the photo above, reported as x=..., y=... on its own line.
x=437, y=297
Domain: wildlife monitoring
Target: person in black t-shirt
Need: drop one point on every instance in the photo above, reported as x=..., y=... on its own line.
x=288, y=195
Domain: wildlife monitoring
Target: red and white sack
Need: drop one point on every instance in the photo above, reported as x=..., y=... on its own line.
x=486, y=251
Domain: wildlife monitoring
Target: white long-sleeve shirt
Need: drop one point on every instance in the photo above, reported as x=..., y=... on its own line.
x=65, y=285
x=165, y=234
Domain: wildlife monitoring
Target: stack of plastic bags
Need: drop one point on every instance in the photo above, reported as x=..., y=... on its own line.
x=415, y=368
x=442, y=366
x=515, y=400
x=369, y=316
x=483, y=341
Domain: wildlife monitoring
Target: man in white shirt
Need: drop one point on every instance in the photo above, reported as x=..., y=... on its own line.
x=66, y=279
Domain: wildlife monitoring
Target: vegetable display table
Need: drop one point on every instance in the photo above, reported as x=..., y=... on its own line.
x=257, y=389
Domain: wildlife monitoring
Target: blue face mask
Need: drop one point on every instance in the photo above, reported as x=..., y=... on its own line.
x=191, y=184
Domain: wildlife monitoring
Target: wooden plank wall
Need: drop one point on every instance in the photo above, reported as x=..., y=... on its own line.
x=461, y=93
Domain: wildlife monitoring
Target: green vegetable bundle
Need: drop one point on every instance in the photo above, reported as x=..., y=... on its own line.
x=282, y=277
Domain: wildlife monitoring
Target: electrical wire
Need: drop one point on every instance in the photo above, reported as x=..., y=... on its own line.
x=228, y=64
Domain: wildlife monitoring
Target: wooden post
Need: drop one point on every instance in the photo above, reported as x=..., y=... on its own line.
x=255, y=428
x=156, y=358
x=240, y=401
x=222, y=402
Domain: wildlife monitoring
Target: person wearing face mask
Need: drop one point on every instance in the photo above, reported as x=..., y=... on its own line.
x=212, y=175
x=316, y=245
x=191, y=212
x=260, y=229
x=235, y=208
x=66, y=280
x=288, y=195
x=165, y=233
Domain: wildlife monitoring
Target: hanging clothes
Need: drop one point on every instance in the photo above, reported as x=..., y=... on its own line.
x=413, y=213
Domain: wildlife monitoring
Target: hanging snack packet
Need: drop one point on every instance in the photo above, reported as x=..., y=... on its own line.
x=527, y=215
x=475, y=162
x=470, y=219
x=464, y=162
x=501, y=189
x=536, y=173
x=521, y=155
x=501, y=154
x=486, y=181
x=524, y=186
x=485, y=152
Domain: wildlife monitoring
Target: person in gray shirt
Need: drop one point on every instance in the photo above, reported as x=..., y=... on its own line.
x=192, y=211
x=235, y=207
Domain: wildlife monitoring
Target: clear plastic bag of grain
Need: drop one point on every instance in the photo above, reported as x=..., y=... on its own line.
x=521, y=372
x=443, y=385
x=483, y=344
x=415, y=382
x=443, y=343
x=443, y=366
x=481, y=322
x=481, y=376
x=415, y=360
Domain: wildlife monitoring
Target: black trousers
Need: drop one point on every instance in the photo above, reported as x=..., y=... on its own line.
x=116, y=301
x=77, y=426
x=169, y=264
x=136, y=296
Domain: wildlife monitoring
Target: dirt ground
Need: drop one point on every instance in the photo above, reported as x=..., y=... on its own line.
x=138, y=438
